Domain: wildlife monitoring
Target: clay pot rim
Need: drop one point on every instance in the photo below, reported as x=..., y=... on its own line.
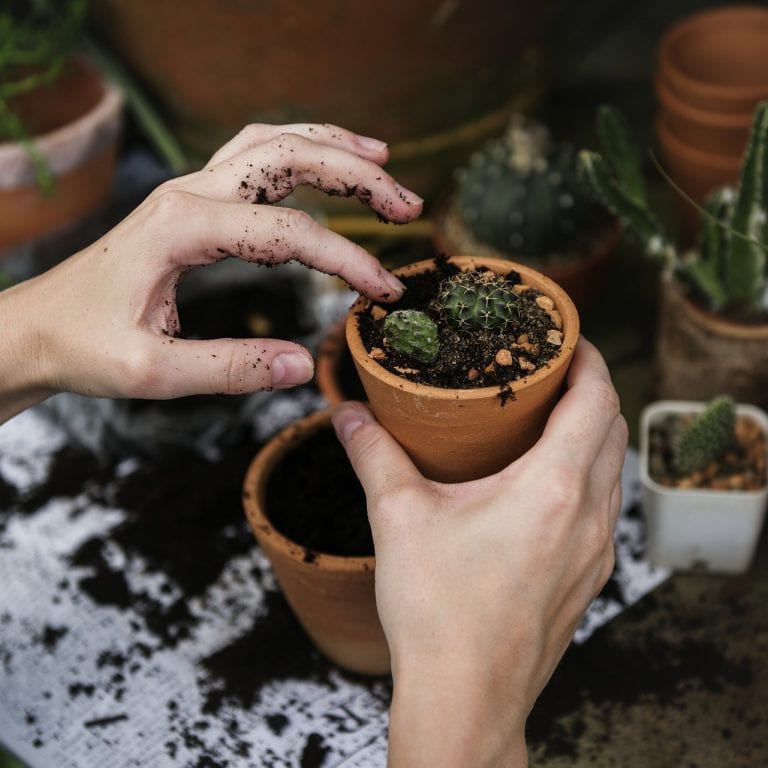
x=710, y=118
x=254, y=485
x=709, y=160
x=540, y=281
x=745, y=16
x=721, y=325
x=14, y=158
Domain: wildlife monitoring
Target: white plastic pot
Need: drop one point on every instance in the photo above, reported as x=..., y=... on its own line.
x=700, y=529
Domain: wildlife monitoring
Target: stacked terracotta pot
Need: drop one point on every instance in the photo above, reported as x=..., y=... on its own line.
x=712, y=70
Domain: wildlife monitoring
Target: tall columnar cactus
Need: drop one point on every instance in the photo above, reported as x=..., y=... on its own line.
x=412, y=333
x=706, y=438
x=521, y=194
x=729, y=265
x=478, y=300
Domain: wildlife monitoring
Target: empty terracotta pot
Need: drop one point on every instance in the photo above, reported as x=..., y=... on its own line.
x=716, y=59
x=333, y=597
x=454, y=435
x=721, y=133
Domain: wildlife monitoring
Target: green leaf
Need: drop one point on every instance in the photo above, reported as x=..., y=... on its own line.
x=621, y=152
x=635, y=216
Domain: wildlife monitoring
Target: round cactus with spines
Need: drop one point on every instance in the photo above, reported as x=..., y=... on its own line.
x=706, y=438
x=520, y=194
x=477, y=300
x=412, y=333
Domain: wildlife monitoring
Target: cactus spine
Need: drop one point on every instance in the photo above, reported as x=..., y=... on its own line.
x=479, y=300
x=706, y=438
x=412, y=333
x=729, y=265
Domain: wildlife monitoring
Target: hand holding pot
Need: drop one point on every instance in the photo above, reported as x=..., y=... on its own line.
x=103, y=321
x=480, y=585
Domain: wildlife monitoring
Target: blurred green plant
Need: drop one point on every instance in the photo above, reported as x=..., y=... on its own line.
x=728, y=267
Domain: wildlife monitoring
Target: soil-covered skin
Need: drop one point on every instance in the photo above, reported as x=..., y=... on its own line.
x=315, y=499
x=467, y=358
x=741, y=468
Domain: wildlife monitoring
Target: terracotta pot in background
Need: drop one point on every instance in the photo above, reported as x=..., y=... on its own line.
x=79, y=116
x=335, y=374
x=716, y=59
x=700, y=355
x=721, y=133
x=333, y=597
x=392, y=71
x=462, y=434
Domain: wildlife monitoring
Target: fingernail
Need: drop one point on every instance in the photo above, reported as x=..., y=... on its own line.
x=371, y=144
x=347, y=419
x=291, y=368
x=409, y=197
x=393, y=283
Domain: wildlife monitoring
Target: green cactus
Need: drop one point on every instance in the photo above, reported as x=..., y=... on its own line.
x=412, y=333
x=706, y=438
x=479, y=300
x=521, y=195
x=729, y=265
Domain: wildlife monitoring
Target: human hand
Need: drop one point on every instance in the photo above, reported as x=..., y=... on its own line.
x=480, y=585
x=103, y=322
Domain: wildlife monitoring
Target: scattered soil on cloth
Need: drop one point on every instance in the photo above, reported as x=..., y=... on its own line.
x=741, y=468
x=463, y=351
x=316, y=500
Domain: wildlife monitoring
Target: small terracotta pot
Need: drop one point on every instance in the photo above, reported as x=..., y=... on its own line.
x=704, y=130
x=81, y=154
x=581, y=277
x=333, y=597
x=454, y=435
x=700, y=355
x=716, y=59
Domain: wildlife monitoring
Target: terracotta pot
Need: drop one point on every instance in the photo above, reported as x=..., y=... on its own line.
x=389, y=71
x=715, y=59
x=333, y=597
x=582, y=277
x=700, y=355
x=697, y=173
x=705, y=130
x=81, y=114
x=454, y=435
x=335, y=373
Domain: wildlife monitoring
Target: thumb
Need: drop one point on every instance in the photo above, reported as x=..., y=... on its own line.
x=377, y=458
x=229, y=366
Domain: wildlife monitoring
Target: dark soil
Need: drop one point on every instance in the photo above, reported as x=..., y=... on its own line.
x=463, y=351
x=315, y=499
x=741, y=468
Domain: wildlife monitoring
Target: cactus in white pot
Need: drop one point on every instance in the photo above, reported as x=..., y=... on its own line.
x=728, y=266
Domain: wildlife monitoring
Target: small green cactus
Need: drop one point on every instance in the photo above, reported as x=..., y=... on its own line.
x=729, y=266
x=706, y=438
x=478, y=300
x=521, y=195
x=412, y=333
